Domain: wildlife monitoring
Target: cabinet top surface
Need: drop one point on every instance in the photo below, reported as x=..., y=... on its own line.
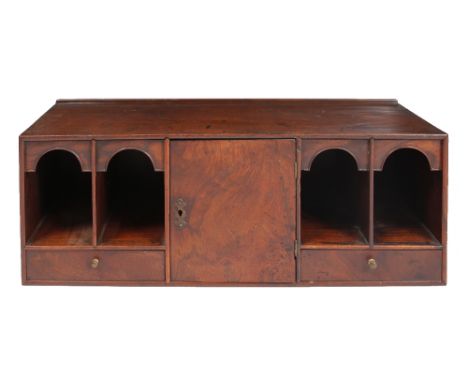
x=229, y=118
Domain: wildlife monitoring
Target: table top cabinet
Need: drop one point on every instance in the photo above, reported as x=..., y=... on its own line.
x=233, y=192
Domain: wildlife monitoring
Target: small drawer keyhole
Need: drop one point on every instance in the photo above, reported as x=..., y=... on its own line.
x=180, y=217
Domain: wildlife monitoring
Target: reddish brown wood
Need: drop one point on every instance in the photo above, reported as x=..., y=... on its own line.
x=131, y=198
x=94, y=195
x=352, y=266
x=444, y=212
x=167, y=208
x=107, y=149
x=64, y=228
x=316, y=233
x=371, y=192
x=240, y=211
x=407, y=201
x=111, y=119
x=100, y=201
x=76, y=265
x=118, y=232
x=99, y=178
x=298, y=207
x=36, y=150
x=24, y=212
x=58, y=200
x=357, y=148
x=334, y=201
x=407, y=231
x=430, y=148
x=32, y=208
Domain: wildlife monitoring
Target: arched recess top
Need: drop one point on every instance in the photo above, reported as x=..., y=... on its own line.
x=430, y=149
x=358, y=149
x=34, y=151
x=153, y=149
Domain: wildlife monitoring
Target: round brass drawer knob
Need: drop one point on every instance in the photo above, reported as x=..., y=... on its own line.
x=372, y=263
x=94, y=263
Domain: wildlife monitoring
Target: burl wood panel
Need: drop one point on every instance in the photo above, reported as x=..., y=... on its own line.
x=154, y=149
x=431, y=148
x=357, y=148
x=240, y=211
x=35, y=150
x=63, y=265
x=352, y=266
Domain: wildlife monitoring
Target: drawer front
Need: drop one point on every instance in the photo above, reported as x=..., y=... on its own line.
x=82, y=265
x=391, y=266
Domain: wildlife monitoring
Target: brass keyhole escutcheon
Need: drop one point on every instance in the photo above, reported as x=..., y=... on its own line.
x=180, y=216
x=372, y=263
x=94, y=263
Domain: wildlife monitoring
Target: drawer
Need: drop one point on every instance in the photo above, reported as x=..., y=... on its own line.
x=34, y=151
x=385, y=266
x=94, y=265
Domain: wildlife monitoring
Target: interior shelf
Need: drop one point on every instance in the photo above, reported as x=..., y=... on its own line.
x=404, y=231
x=316, y=232
x=58, y=198
x=133, y=202
x=334, y=201
x=408, y=199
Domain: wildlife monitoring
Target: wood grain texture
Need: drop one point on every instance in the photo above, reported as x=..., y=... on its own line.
x=445, y=156
x=132, y=202
x=32, y=204
x=430, y=148
x=59, y=202
x=107, y=149
x=371, y=193
x=334, y=201
x=120, y=231
x=52, y=265
x=228, y=118
x=352, y=266
x=34, y=151
x=92, y=184
x=240, y=211
x=316, y=232
x=167, y=208
x=67, y=227
x=357, y=148
x=407, y=201
x=403, y=230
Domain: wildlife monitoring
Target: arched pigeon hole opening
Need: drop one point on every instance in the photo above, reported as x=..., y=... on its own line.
x=408, y=200
x=58, y=201
x=334, y=201
x=133, y=212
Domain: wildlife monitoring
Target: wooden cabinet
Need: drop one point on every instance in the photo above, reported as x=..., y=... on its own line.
x=233, y=192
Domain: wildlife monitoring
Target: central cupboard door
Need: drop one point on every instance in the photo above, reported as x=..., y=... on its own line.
x=233, y=210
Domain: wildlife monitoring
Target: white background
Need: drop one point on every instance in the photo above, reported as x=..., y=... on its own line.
x=410, y=50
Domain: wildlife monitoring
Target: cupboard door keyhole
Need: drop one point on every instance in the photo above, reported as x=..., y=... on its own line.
x=180, y=217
